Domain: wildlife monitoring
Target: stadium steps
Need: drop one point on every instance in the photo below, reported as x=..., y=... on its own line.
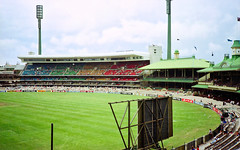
x=236, y=146
x=225, y=142
x=230, y=143
x=219, y=141
x=229, y=140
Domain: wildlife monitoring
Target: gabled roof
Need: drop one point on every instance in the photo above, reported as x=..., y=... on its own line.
x=236, y=44
x=19, y=67
x=181, y=63
x=9, y=66
x=227, y=64
x=232, y=64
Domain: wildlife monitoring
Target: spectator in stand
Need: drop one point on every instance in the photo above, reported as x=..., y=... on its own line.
x=210, y=133
x=221, y=127
x=235, y=116
x=228, y=101
x=225, y=131
x=197, y=147
x=224, y=103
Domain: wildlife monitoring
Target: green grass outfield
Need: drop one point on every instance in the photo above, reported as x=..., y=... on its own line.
x=83, y=121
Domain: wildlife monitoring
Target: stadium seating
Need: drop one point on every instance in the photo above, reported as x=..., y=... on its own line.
x=111, y=72
x=89, y=66
x=105, y=66
x=29, y=72
x=84, y=72
x=57, y=72
x=227, y=139
x=102, y=73
x=71, y=71
x=43, y=72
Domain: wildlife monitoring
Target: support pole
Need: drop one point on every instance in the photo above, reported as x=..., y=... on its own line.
x=39, y=38
x=118, y=125
x=51, y=136
x=169, y=29
x=129, y=131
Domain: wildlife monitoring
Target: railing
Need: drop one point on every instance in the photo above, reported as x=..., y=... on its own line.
x=203, y=139
x=198, y=141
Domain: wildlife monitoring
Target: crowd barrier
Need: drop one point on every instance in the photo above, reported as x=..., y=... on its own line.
x=80, y=91
x=198, y=141
x=29, y=90
x=203, y=139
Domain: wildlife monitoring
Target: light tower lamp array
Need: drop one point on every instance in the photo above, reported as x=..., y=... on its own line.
x=39, y=15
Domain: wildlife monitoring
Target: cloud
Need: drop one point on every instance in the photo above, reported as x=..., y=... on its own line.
x=78, y=26
x=76, y=15
x=186, y=52
x=81, y=38
x=78, y=52
x=10, y=49
x=190, y=30
x=215, y=47
x=133, y=31
x=65, y=52
x=7, y=42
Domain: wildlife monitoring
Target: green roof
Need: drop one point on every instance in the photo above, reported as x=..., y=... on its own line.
x=181, y=63
x=236, y=44
x=238, y=91
x=218, y=69
x=200, y=86
x=176, y=52
x=179, y=80
x=232, y=64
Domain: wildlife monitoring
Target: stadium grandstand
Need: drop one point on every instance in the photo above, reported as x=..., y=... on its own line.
x=130, y=69
x=174, y=74
x=9, y=75
x=120, y=69
x=221, y=81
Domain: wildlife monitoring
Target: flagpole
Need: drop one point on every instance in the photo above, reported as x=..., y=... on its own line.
x=239, y=29
x=238, y=26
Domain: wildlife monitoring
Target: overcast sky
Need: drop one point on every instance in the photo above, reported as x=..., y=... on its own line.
x=77, y=27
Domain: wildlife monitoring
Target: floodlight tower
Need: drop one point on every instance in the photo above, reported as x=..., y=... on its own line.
x=169, y=29
x=39, y=16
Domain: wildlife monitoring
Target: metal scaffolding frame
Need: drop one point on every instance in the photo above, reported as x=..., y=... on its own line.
x=149, y=129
